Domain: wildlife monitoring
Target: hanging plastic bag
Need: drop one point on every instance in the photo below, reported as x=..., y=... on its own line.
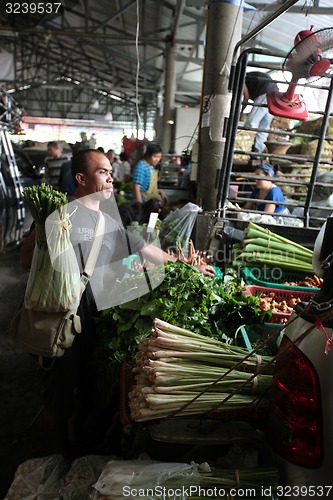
x=54, y=279
x=177, y=227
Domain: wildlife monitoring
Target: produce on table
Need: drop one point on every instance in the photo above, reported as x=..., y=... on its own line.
x=179, y=372
x=262, y=246
x=195, y=257
x=140, y=230
x=309, y=281
x=275, y=277
x=279, y=301
x=54, y=280
x=123, y=191
x=269, y=302
x=185, y=297
x=236, y=308
x=252, y=479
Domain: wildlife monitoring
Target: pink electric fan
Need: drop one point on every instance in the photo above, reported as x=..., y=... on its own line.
x=310, y=58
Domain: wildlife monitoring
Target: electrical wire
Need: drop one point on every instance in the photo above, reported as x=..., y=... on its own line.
x=307, y=7
x=138, y=60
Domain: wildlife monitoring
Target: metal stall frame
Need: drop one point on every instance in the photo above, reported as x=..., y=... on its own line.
x=237, y=81
x=12, y=210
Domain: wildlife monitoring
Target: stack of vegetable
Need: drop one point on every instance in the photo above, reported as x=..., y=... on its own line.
x=179, y=372
x=255, y=480
x=209, y=306
x=212, y=307
x=261, y=246
x=54, y=280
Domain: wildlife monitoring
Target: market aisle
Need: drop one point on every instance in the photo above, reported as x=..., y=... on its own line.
x=21, y=437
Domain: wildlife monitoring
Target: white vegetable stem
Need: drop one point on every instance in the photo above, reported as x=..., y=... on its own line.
x=183, y=373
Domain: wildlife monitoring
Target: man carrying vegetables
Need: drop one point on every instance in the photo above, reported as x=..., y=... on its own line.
x=70, y=395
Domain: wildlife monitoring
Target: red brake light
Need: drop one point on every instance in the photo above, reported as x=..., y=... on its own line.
x=295, y=422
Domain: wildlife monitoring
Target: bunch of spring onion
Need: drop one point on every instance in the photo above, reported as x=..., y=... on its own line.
x=182, y=373
x=256, y=480
x=54, y=280
x=261, y=246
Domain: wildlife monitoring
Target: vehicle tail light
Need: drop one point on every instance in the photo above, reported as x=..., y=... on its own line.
x=295, y=422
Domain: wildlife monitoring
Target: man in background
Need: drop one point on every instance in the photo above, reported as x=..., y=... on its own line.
x=53, y=163
x=112, y=157
x=257, y=85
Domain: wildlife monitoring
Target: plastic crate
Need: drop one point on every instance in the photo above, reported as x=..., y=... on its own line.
x=275, y=280
x=259, y=333
x=280, y=294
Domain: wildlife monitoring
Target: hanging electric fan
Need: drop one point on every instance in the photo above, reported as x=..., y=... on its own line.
x=310, y=58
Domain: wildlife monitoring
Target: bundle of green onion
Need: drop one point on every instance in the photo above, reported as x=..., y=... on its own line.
x=261, y=246
x=42, y=201
x=257, y=482
x=54, y=280
x=183, y=373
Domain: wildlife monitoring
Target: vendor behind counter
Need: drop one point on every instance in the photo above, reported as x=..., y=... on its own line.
x=266, y=190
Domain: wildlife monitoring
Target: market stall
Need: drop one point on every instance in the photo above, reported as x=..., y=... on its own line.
x=194, y=359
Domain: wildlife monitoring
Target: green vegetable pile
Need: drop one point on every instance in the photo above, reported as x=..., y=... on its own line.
x=181, y=373
x=140, y=230
x=262, y=246
x=123, y=191
x=185, y=298
x=235, y=309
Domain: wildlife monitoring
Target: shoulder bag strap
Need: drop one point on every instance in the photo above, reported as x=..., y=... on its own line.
x=94, y=252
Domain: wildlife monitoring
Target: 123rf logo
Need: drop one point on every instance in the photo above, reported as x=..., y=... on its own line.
x=23, y=14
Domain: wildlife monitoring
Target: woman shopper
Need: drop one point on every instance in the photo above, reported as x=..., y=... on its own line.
x=267, y=191
x=145, y=175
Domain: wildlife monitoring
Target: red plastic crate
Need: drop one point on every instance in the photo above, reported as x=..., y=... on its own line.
x=280, y=294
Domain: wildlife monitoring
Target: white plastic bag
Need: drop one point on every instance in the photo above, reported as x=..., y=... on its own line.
x=39, y=478
x=82, y=475
x=54, y=280
x=177, y=227
x=120, y=478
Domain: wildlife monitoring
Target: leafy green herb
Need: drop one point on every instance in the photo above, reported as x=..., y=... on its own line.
x=185, y=298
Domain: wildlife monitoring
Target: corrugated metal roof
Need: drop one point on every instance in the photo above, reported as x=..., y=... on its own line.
x=117, y=49
x=281, y=33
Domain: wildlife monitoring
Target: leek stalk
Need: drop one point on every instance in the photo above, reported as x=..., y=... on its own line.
x=261, y=246
x=50, y=288
x=195, y=376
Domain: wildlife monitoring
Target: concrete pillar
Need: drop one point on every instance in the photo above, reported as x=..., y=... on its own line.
x=224, y=25
x=169, y=98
